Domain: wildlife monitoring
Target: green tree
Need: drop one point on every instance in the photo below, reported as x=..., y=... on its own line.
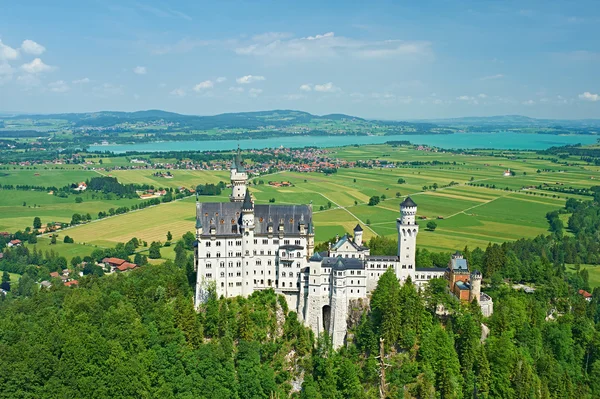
x=180, y=254
x=169, y=236
x=5, y=285
x=37, y=223
x=431, y=225
x=78, y=200
x=154, y=250
x=53, y=239
x=385, y=307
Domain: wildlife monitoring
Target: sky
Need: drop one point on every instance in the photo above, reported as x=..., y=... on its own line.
x=375, y=59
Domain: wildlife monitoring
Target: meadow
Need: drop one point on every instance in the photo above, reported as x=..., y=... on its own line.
x=465, y=214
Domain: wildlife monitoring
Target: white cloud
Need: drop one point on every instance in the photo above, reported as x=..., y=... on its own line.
x=207, y=84
x=220, y=79
x=236, y=89
x=271, y=36
x=327, y=88
x=249, y=79
x=28, y=80
x=306, y=87
x=7, y=52
x=6, y=69
x=587, y=96
x=59, y=86
x=140, y=70
x=492, y=77
x=254, y=92
x=31, y=47
x=464, y=98
x=36, y=66
x=482, y=95
x=81, y=81
x=528, y=102
x=178, y=92
x=182, y=46
x=330, y=45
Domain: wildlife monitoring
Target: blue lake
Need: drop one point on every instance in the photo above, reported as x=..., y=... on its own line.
x=503, y=140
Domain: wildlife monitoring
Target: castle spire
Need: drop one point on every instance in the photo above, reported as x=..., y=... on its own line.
x=247, y=204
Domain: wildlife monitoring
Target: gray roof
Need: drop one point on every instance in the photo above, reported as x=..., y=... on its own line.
x=247, y=204
x=339, y=263
x=381, y=258
x=408, y=202
x=344, y=239
x=237, y=162
x=358, y=228
x=459, y=264
x=223, y=216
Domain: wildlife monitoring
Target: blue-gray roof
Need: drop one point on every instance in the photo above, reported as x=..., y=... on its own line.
x=408, y=202
x=459, y=264
x=339, y=263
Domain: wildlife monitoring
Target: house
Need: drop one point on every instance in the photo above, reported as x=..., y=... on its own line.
x=71, y=283
x=586, y=295
x=507, y=173
x=113, y=262
x=126, y=266
x=81, y=186
x=54, y=275
x=45, y=284
x=14, y=243
x=4, y=233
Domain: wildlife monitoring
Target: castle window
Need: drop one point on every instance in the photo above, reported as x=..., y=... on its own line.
x=358, y=272
x=282, y=285
x=208, y=243
x=265, y=241
x=269, y=262
x=255, y=241
x=297, y=242
x=208, y=275
x=222, y=264
x=208, y=266
x=222, y=274
x=238, y=284
x=404, y=266
x=208, y=254
x=298, y=254
x=238, y=274
x=358, y=291
x=410, y=266
x=230, y=264
x=218, y=254
x=218, y=243
x=286, y=242
x=282, y=274
x=222, y=285
x=276, y=241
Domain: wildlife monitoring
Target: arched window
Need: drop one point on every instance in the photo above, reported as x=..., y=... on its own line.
x=282, y=274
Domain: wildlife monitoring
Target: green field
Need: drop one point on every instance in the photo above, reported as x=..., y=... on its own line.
x=465, y=215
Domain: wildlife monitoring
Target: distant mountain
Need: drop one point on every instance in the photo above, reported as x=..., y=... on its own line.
x=513, y=120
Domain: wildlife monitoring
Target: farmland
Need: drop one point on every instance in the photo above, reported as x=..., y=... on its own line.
x=465, y=214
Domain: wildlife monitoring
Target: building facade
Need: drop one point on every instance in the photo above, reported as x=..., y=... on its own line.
x=243, y=247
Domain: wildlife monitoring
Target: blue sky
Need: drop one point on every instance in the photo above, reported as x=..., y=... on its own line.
x=378, y=59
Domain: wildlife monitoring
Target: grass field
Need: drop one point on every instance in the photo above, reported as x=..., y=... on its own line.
x=465, y=215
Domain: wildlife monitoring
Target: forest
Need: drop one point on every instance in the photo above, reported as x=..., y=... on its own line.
x=137, y=334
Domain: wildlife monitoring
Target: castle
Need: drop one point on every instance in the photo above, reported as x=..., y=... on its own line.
x=243, y=247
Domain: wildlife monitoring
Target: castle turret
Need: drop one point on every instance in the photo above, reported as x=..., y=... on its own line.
x=407, y=239
x=239, y=178
x=475, y=286
x=358, y=235
x=247, y=229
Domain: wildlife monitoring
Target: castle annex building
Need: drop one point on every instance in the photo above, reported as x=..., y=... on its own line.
x=243, y=247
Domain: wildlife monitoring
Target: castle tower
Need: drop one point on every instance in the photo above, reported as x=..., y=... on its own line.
x=475, y=286
x=247, y=243
x=239, y=179
x=407, y=239
x=358, y=235
x=310, y=240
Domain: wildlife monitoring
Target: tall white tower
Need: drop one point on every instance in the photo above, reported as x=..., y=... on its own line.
x=407, y=239
x=239, y=179
x=247, y=244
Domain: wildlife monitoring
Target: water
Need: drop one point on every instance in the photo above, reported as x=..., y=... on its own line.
x=505, y=140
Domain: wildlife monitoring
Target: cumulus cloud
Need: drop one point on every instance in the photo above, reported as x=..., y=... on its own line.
x=249, y=79
x=81, y=81
x=254, y=92
x=492, y=77
x=60, y=86
x=140, y=70
x=220, y=79
x=6, y=69
x=330, y=45
x=528, y=102
x=31, y=47
x=8, y=53
x=207, y=84
x=464, y=98
x=178, y=92
x=306, y=87
x=236, y=89
x=482, y=95
x=587, y=96
x=36, y=66
x=327, y=88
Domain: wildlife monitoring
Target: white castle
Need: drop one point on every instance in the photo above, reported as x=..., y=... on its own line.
x=243, y=247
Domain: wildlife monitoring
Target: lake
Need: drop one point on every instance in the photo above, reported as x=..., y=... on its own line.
x=505, y=141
